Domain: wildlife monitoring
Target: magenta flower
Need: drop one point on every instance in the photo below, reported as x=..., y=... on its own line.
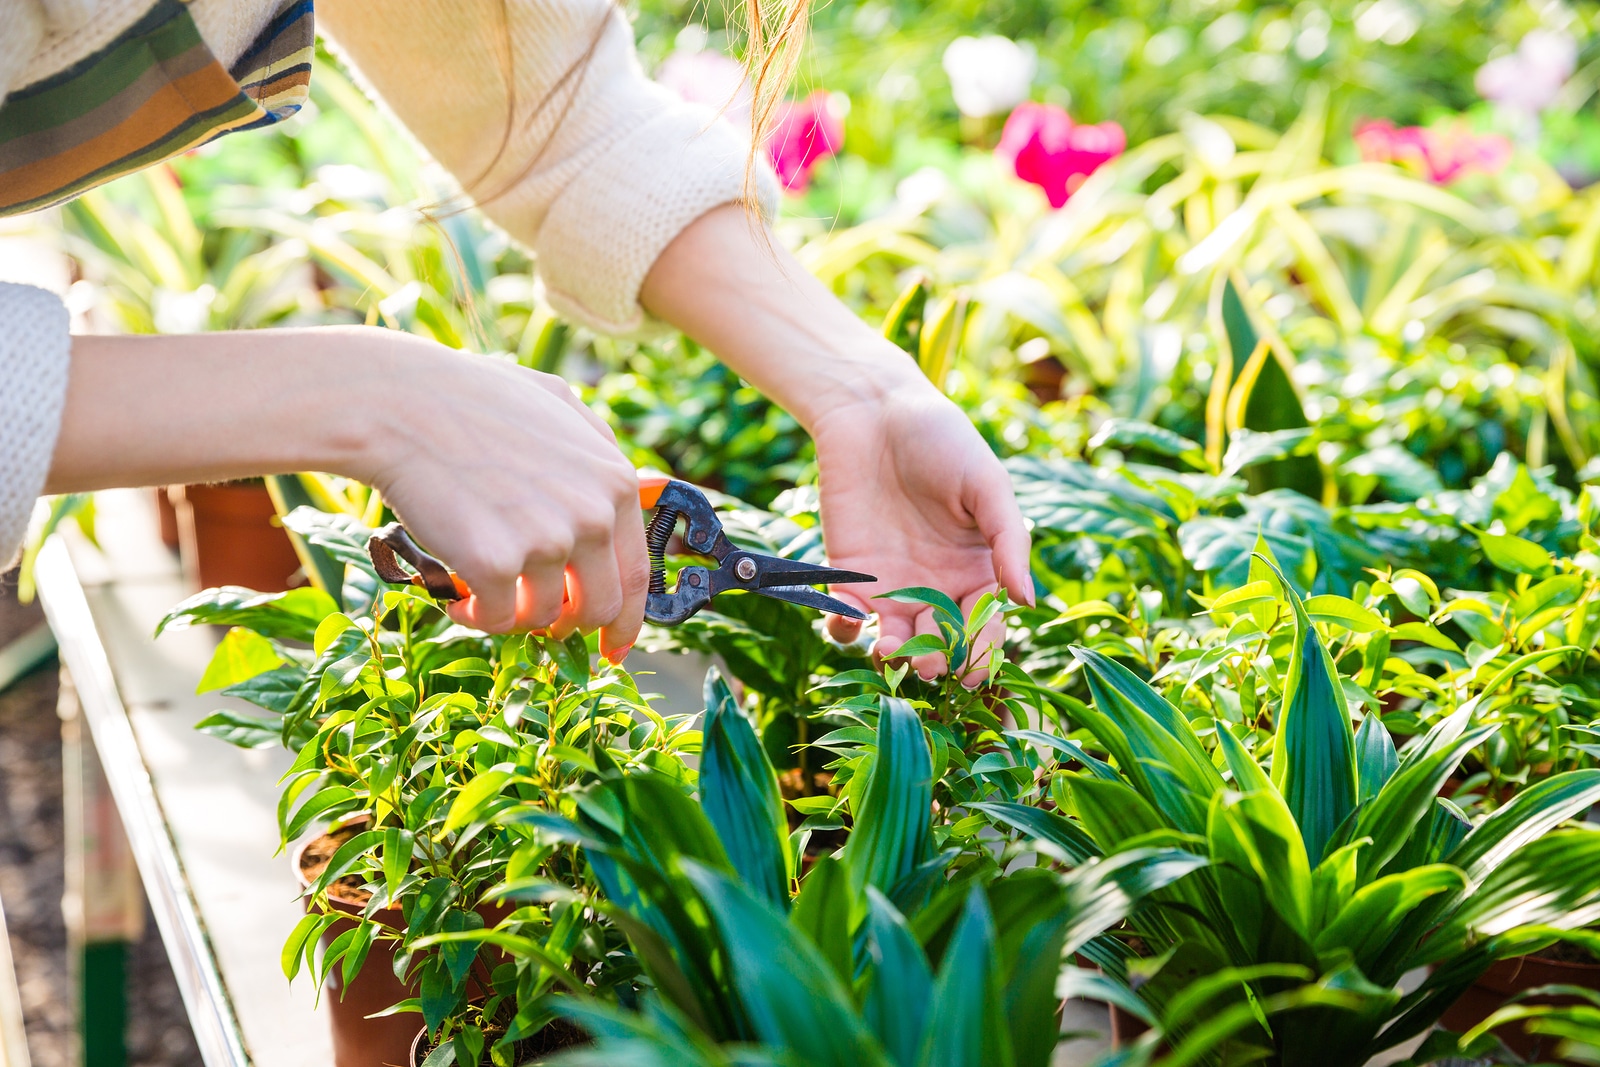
x=1440, y=154
x=806, y=132
x=1045, y=147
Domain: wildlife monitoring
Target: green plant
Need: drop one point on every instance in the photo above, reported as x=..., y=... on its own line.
x=424, y=732
x=874, y=958
x=1335, y=858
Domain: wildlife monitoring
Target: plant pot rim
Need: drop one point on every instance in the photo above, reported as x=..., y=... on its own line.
x=389, y=915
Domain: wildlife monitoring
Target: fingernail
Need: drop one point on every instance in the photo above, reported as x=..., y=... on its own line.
x=617, y=655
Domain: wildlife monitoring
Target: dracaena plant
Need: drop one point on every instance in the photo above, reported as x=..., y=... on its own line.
x=422, y=731
x=872, y=957
x=1335, y=863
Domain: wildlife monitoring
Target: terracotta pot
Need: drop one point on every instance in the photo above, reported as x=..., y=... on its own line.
x=229, y=536
x=1126, y=1028
x=167, y=517
x=360, y=1041
x=357, y=1040
x=1505, y=979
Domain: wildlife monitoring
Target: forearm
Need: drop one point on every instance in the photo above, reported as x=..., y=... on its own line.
x=151, y=410
x=766, y=317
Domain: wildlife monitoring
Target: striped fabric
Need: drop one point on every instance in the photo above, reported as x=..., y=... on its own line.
x=153, y=93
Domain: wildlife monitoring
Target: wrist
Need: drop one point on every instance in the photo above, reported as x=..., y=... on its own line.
x=375, y=397
x=865, y=375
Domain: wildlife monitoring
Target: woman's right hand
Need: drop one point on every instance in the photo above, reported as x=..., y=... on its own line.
x=504, y=474
x=498, y=470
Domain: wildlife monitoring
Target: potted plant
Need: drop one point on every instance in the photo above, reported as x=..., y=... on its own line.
x=1335, y=868
x=410, y=734
x=874, y=957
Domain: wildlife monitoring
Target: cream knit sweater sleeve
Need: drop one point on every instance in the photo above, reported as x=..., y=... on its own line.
x=540, y=110
x=34, y=348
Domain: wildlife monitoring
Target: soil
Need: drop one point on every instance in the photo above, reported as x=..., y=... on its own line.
x=559, y=1035
x=1566, y=952
x=32, y=863
x=314, y=860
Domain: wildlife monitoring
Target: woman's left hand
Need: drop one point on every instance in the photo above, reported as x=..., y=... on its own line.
x=912, y=494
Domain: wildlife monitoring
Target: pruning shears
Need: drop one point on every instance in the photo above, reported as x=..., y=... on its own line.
x=737, y=568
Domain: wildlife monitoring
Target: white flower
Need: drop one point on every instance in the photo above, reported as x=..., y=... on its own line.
x=988, y=75
x=709, y=78
x=1529, y=79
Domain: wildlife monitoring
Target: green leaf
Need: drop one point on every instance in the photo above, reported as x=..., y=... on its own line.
x=1314, y=765
x=1530, y=814
x=1051, y=832
x=1344, y=612
x=1376, y=759
x=571, y=658
x=922, y=645
x=458, y=955
x=1030, y=914
x=241, y=728
x=1406, y=799
x=328, y=629
x=1550, y=882
x=474, y=796
x=305, y=932
x=326, y=802
x=293, y=615
x=739, y=793
x=891, y=837
x=241, y=655
x=1104, y=893
x=1132, y=433
x=471, y=667
x=1512, y=553
x=789, y=992
x=822, y=912
x=345, y=859
x=1377, y=913
x=273, y=690
x=1255, y=833
x=967, y=1027
x=899, y=986
x=946, y=613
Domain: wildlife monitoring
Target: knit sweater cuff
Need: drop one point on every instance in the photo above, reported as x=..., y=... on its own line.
x=605, y=230
x=35, y=350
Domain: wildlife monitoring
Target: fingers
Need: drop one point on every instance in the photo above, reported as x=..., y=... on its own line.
x=557, y=387
x=633, y=565
x=842, y=628
x=930, y=665
x=1001, y=523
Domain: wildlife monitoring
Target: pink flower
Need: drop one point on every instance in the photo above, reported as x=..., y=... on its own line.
x=806, y=132
x=1439, y=153
x=1046, y=148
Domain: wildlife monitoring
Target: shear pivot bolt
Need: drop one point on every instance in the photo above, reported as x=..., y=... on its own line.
x=694, y=579
x=745, y=569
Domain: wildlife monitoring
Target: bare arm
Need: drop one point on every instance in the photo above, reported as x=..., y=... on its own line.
x=498, y=469
x=910, y=492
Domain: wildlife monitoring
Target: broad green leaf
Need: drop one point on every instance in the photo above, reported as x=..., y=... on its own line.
x=330, y=802
x=1376, y=759
x=1113, y=813
x=822, y=912
x=345, y=858
x=1255, y=833
x=1030, y=915
x=1104, y=893
x=1344, y=612
x=967, y=1027
x=899, y=986
x=1406, y=798
x=328, y=629
x=789, y=992
x=1512, y=553
x=241, y=655
x=891, y=837
x=1529, y=815
x=739, y=793
x=1378, y=913
x=1553, y=881
x=1314, y=762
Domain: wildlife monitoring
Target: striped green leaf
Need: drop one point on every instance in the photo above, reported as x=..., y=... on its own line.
x=967, y=1026
x=891, y=837
x=1314, y=765
x=899, y=985
x=739, y=794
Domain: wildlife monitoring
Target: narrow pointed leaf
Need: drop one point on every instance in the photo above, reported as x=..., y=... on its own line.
x=739, y=794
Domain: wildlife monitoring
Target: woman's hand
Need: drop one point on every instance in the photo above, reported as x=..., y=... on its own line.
x=498, y=470
x=522, y=490
x=912, y=494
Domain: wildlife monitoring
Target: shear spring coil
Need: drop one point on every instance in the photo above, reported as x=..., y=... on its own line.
x=656, y=536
